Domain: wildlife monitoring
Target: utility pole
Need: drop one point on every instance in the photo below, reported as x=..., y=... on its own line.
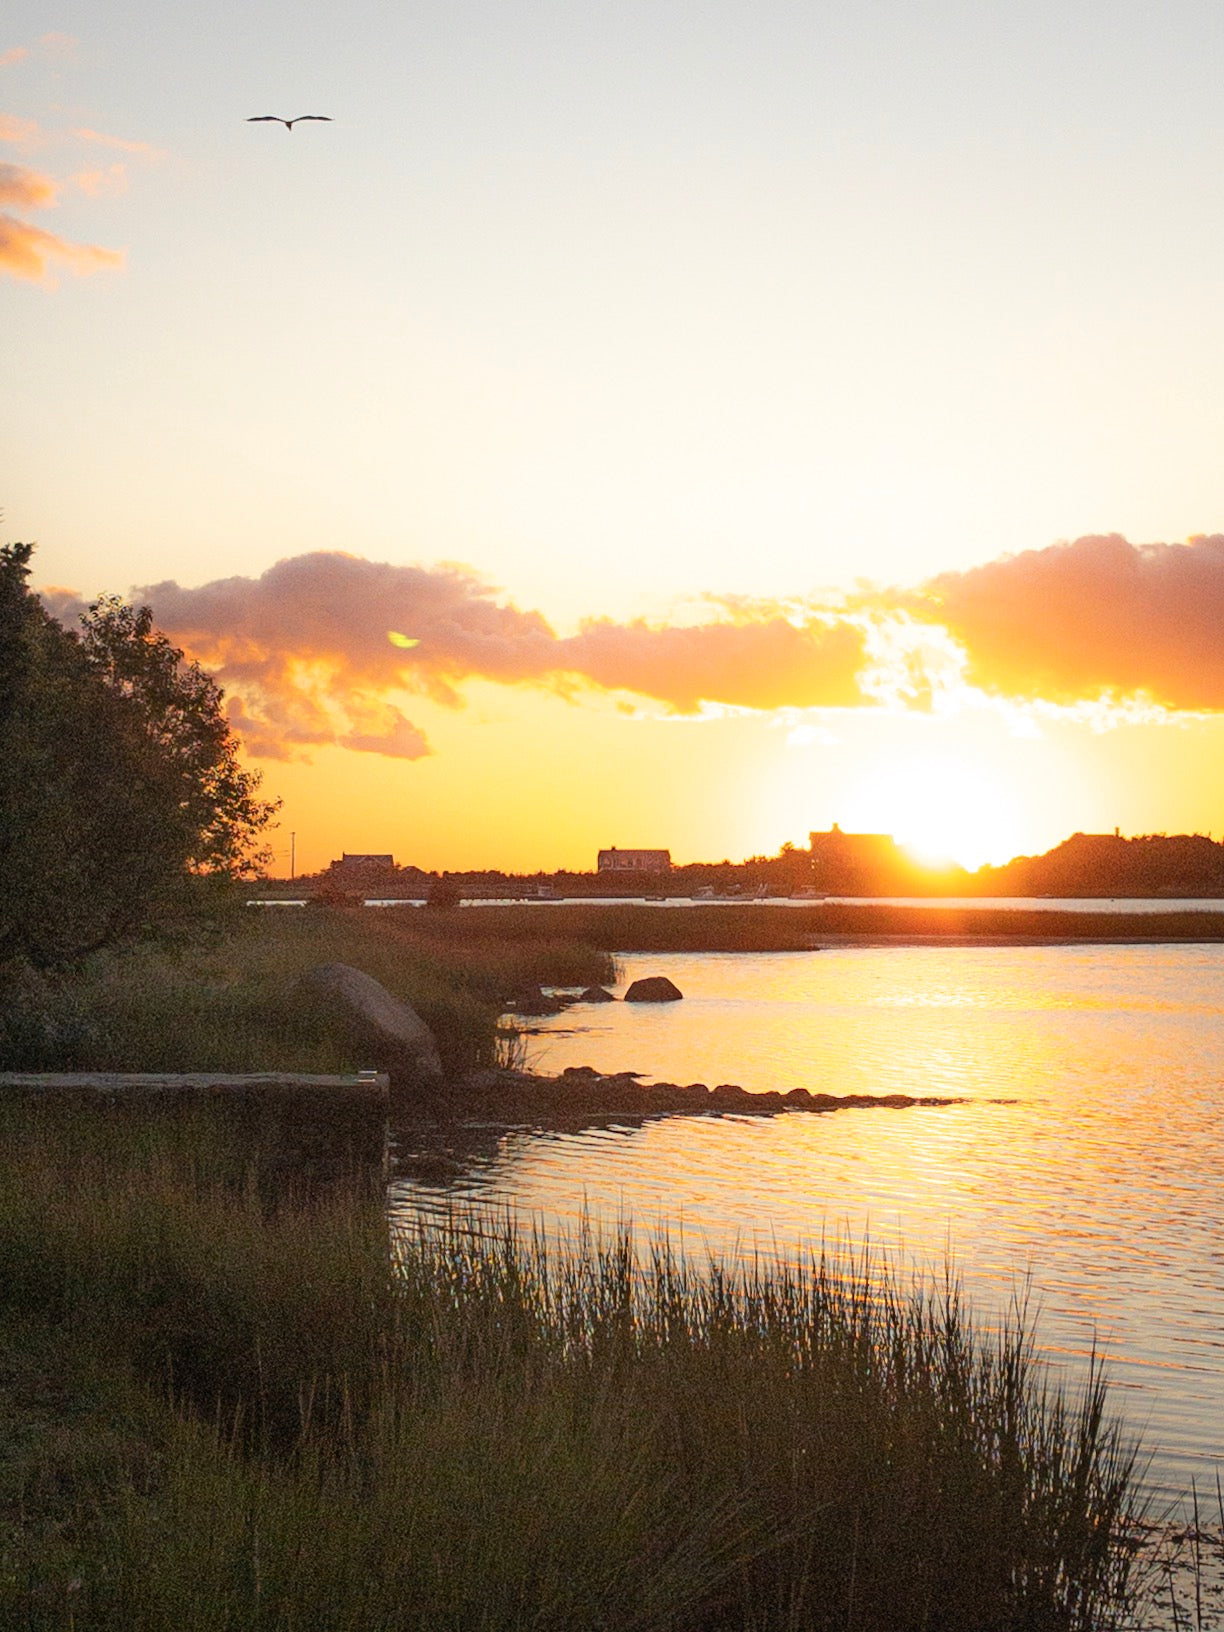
x=292, y=856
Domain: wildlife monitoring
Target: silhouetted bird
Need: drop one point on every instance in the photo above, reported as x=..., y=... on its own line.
x=258, y=118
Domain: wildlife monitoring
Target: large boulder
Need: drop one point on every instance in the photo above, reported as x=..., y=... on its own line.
x=654, y=989
x=389, y=1031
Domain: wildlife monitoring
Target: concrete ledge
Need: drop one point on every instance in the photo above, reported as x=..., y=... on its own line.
x=373, y=1085
x=292, y=1127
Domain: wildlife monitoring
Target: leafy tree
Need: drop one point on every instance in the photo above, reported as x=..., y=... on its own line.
x=119, y=779
x=180, y=711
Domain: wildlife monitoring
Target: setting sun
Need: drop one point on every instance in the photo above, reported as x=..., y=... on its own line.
x=940, y=808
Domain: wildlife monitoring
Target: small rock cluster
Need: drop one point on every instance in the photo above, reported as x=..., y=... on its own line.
x=534, y=1000
x=581, y=1093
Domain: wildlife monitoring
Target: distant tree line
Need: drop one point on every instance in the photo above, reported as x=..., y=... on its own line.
x=1105, y=864
x=120, y=786
x=1085, y=865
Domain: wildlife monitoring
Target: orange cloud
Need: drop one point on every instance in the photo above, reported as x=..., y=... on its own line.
x=121, y=143
x=52, y=44
x=26, y=188
x=28, y=252
x=394, y=735
x=18, y=131
x=1094, y=617
x=108, y=183
x=765, y=663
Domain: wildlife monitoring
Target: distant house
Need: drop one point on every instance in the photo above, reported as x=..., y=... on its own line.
x=852, y=846
x=362, y=864
x=854, y=862
x=634, y=861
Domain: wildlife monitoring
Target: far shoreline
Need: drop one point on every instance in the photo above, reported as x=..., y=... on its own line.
x=867, y=924
x=865, y=939
x=670, y=924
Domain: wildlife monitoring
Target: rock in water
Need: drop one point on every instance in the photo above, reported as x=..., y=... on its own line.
x=391, y=1032
x=654, y=989
x=533, y=1000
x=597, y=994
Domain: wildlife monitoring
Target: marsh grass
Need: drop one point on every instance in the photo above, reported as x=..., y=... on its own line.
x=218, y=1418
x=227, y=1003
x=761, y=927
x=230, y=1004
x=629, y=927
x=1179, y=1565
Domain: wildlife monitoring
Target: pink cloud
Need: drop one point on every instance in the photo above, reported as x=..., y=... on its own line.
x=50, y=44
x=1099, y=615
x=121, y=143
x=304, y=651
x=108, y=183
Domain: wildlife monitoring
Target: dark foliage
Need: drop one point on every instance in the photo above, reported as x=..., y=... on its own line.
x=119, y=779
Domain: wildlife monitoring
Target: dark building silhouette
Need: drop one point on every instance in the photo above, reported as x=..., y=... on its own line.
x=356, y=863
x=856, y=863
x=634, y=861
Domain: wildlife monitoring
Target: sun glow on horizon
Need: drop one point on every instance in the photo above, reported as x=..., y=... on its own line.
x=940, y=808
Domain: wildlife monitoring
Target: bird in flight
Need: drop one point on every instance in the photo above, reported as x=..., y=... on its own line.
x=258, y=118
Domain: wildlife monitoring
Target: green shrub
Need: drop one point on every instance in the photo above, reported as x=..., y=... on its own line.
x=231, y=1006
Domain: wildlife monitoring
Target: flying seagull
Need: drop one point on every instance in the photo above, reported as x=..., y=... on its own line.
x=258, y=118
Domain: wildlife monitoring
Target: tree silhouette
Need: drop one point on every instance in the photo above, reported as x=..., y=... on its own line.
x=119, y=777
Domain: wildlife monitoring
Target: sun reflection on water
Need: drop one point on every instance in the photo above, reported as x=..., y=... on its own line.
x=1085, y=1163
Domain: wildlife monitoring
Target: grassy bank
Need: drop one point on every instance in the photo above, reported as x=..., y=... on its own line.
x=221, y=1419
x=230, y=1004
x=765, y=928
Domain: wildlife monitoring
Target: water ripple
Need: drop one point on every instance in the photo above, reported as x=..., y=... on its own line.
x=1098, y=1188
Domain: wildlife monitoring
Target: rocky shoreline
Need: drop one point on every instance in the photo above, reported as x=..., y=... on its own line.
x=581, y=1093
x=444, y=1140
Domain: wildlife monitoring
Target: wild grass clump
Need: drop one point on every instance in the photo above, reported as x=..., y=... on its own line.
x=230, y=1004
x=310, y=1426
x=738, y=927
x=763, y=927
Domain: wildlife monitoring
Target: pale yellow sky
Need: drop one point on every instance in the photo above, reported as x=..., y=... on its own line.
x=623, y=310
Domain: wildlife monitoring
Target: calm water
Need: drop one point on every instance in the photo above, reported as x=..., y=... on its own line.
x=1025, y=903
x=1100, y=1185
x=1021, y=903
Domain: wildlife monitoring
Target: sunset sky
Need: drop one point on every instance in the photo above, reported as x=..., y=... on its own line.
x=758, y=416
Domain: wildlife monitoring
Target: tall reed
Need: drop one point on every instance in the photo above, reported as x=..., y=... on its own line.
x=322, y=1426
